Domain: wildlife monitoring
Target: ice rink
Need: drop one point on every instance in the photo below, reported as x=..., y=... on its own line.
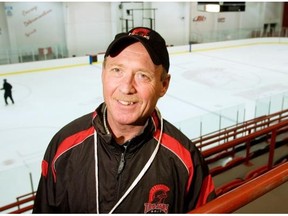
x=203, y=83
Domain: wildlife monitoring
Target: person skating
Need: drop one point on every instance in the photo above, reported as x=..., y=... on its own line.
x=7, y=87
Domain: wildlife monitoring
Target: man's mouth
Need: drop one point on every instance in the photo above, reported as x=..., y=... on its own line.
x=126, y=103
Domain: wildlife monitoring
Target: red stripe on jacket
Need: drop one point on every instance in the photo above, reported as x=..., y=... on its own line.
x=206, y=189
x=180, y=151
x=70, y=142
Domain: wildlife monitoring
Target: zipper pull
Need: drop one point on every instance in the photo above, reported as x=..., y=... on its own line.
x=122, y=161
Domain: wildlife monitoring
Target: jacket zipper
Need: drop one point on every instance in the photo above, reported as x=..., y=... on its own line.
x=122, y=161
x=121, y=168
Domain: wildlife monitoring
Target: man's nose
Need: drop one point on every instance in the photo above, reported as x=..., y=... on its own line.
x=128, y=84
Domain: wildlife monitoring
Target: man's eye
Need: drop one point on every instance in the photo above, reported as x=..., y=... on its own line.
x=115, y=70
x=143, y=77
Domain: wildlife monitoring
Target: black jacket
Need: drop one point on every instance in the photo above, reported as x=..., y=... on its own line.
x=7, y=87
x=77, y=179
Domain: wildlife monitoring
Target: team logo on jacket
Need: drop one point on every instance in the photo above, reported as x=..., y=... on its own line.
x=156, y=201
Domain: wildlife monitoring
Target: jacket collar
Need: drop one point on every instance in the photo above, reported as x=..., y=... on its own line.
x=148, y=132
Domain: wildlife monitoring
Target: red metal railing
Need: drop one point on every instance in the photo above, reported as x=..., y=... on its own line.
x=269, y=127
x=242, y=129
x=246, y=193
x=23, y=204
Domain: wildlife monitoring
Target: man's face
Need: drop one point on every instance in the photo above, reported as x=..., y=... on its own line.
x=132, y=86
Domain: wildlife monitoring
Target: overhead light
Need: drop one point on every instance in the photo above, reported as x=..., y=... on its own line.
x=212, y=7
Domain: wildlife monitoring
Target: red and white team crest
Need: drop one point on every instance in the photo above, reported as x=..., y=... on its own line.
x=156, y=201
x=141, y=32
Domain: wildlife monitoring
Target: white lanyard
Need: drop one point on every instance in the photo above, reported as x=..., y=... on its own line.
x=137, y=179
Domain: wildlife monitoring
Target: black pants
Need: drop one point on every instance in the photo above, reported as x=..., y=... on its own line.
x=6, y=96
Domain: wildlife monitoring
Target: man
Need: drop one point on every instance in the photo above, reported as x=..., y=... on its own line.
x=7, y=87
x=124, y=158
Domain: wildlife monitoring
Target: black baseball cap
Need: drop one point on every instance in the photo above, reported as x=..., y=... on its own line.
x=150, y=39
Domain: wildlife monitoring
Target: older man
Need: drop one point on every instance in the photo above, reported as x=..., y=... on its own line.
x=124, y=157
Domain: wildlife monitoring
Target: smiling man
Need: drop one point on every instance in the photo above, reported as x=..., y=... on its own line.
x=132, y=85
x=124, y=157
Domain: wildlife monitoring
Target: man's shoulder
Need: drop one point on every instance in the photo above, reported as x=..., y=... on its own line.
x=75, y=126
x=173, y=131
x=81, y=123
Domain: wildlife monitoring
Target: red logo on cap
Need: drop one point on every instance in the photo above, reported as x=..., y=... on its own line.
x=141, y=32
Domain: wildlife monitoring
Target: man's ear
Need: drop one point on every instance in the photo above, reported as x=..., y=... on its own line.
x=165, y=85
